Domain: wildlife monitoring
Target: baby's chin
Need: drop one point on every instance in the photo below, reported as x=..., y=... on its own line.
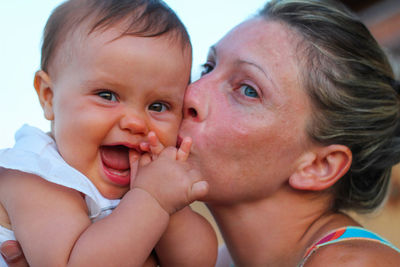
x=112, y=192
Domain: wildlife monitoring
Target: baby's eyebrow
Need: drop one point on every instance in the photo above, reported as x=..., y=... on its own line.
x=94, y=84
x=100, y=82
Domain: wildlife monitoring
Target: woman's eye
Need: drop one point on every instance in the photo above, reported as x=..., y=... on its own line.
x=158, y=107
x=206, y=68
x=248, y=91
x=107, y=95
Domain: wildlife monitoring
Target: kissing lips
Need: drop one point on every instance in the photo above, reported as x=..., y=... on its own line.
x=179, y=141
x=116, y=165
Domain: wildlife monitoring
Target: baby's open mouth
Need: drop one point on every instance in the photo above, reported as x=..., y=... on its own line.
x=115, y=157
x=116, y=163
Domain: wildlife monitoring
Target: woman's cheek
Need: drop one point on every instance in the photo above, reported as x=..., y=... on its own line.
x=230, y=138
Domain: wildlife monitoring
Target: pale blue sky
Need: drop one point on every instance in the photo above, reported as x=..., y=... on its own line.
x=21, y=25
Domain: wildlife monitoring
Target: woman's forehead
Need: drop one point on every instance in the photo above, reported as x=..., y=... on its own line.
x=268, y=49
x=271, y=46
x=259, y=40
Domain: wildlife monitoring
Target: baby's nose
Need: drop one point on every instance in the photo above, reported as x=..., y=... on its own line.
x=133, y=122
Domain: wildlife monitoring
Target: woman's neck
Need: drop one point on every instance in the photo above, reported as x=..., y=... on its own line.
x=275, y=231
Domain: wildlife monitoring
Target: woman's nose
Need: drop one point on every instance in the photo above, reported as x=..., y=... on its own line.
x=196, y=103
x=133, y=122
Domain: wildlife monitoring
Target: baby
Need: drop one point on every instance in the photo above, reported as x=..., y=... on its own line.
x=112, y=80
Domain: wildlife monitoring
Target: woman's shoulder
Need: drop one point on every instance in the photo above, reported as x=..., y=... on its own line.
x=355, y=253
x=352, y=246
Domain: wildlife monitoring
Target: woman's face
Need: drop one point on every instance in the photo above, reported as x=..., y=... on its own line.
x=247, y=114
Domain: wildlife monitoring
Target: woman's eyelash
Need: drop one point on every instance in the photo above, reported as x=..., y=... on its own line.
x=249, y=91
x=206, y=68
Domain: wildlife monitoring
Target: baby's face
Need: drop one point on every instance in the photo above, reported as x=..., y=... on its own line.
x=109, y=95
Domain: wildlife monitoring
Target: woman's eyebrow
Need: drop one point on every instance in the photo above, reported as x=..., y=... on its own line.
x=212, y=50
x=238, y=62
x=262, y=70
x=245, y=62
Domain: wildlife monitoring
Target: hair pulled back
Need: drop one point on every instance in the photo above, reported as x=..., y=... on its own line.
x=353, y=92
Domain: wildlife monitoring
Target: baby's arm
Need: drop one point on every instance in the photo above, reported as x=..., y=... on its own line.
x=52, y=225
x=189, y=239
x=54, y=219
x=14, y=256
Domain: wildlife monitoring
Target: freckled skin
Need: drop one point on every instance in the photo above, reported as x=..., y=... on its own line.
x=240, y=142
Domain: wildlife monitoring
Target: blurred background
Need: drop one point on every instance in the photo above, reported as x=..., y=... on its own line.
x=22, y=22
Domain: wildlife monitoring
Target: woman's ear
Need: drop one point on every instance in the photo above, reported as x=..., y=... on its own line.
x=321, y=168
x=43, y=86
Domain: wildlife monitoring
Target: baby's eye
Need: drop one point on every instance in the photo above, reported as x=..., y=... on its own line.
x=158, y=107
x=108, y=95
x=206, y=68
x=248, y=91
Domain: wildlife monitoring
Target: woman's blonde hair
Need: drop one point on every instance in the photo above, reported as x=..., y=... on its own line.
x=353, y=92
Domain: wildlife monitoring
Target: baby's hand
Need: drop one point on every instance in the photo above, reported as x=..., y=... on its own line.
x=168, y=178
x=155, y=147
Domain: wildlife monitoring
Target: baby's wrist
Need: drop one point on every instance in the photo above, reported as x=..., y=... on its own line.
x=150, y=198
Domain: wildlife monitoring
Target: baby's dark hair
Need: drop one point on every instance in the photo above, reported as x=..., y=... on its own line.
x=142, y=18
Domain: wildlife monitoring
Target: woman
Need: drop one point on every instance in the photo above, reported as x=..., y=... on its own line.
x=296, y=119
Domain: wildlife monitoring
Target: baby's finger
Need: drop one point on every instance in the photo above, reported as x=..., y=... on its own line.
x=155, y=145
x=133, y=163
x=184, y=149
x=145, y=160
x=198, y=191
x=13, y=254
x=145, y=147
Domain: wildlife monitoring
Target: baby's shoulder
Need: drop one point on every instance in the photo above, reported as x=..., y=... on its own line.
x=14, y=183
x=12, y=179
x=9, y=177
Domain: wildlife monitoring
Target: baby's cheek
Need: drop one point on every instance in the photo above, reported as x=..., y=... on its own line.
x=168, y=137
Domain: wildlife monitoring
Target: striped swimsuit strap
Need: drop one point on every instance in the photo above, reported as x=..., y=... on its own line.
x=346, y=234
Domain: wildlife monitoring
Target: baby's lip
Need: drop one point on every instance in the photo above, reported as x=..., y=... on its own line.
x=116, y=155
x=125, y=144
x=116, y=162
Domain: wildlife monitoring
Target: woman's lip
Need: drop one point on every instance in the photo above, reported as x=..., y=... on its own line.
x=179, y=141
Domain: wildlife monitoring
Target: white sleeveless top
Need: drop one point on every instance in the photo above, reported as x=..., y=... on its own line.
x=36, y=152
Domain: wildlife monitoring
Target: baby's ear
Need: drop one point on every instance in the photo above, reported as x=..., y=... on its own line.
x=43, y=86
x=321, y=168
